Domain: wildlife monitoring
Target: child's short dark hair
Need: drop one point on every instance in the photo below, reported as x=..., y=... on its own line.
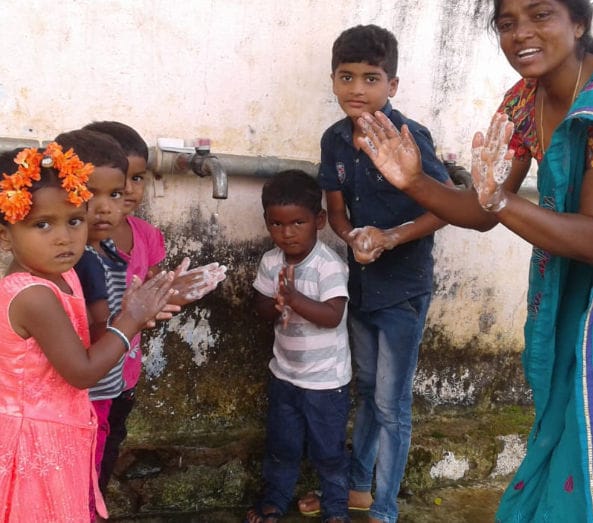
x=100, y=149
x=366, y=43
x=292, y=187
x=7, y=164
x=129, y=139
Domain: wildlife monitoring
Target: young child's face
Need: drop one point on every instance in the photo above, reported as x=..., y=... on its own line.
x=135, y=182
x=293, y=229
x=51, y=238
x=362, y=87
x=106, y=206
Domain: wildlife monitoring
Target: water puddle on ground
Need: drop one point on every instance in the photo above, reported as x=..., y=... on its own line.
x=475, y=504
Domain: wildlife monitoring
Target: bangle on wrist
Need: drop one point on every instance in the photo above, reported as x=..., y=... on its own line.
x=117, y=332
x=124, y=339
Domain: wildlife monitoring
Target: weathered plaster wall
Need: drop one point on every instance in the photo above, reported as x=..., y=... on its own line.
x=254, y=76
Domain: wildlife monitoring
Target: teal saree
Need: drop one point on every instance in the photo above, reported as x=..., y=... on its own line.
x=554, y=481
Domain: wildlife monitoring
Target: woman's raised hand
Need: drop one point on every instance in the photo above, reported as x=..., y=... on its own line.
x=394, y=153
x=491, y=163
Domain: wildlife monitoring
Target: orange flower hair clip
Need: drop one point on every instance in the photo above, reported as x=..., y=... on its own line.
x=15, y=197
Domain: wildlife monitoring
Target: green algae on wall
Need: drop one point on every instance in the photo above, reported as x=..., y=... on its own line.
x=228, y=385
x=470, y=374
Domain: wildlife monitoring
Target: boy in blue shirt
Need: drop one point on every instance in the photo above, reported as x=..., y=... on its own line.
x=301, y=285
x=390, y=239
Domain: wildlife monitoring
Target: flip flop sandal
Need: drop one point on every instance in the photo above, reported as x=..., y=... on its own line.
x=311, y=497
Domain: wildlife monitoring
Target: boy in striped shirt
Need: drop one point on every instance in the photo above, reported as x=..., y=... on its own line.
x=301, y=286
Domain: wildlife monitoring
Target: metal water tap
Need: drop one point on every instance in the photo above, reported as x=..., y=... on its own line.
x=457, y=173
x=205, y=164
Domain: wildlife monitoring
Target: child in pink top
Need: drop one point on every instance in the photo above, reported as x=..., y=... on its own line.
x=48, y=426
x=141, y=245
x=147, y=254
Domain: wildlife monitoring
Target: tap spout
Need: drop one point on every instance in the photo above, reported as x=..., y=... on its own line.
x=210, y=165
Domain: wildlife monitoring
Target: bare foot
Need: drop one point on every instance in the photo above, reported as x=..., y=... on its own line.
x=359, y=500
x=310, y=503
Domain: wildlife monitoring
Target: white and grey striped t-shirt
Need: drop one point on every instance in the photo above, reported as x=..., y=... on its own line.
x=306, y=355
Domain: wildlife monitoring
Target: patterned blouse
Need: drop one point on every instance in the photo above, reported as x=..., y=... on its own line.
x=519, y=105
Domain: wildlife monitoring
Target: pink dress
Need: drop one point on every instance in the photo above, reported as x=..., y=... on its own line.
x=47, y=426
x=148, y=250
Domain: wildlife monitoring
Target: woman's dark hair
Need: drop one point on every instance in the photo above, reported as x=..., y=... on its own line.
x=581, y=12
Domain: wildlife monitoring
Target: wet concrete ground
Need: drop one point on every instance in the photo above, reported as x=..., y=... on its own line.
x=470, y=504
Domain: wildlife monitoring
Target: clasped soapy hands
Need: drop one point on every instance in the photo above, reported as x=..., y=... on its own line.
x=366, y=243
x=285, y=293
x=146, y=302
x=186, y=286
x=194, y=284
x=491, y=163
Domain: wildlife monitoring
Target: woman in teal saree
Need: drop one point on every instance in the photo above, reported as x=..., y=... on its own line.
x=547, y=116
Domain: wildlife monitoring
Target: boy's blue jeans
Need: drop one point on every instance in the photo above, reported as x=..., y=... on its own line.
x=384, y=346
x=314, y=420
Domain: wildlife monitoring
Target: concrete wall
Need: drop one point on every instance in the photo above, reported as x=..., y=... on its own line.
x=253, y=76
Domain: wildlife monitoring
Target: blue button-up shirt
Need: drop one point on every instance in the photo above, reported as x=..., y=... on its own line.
x=405, y=271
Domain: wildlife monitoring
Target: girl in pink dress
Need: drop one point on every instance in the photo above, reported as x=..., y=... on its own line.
x=47, y=424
